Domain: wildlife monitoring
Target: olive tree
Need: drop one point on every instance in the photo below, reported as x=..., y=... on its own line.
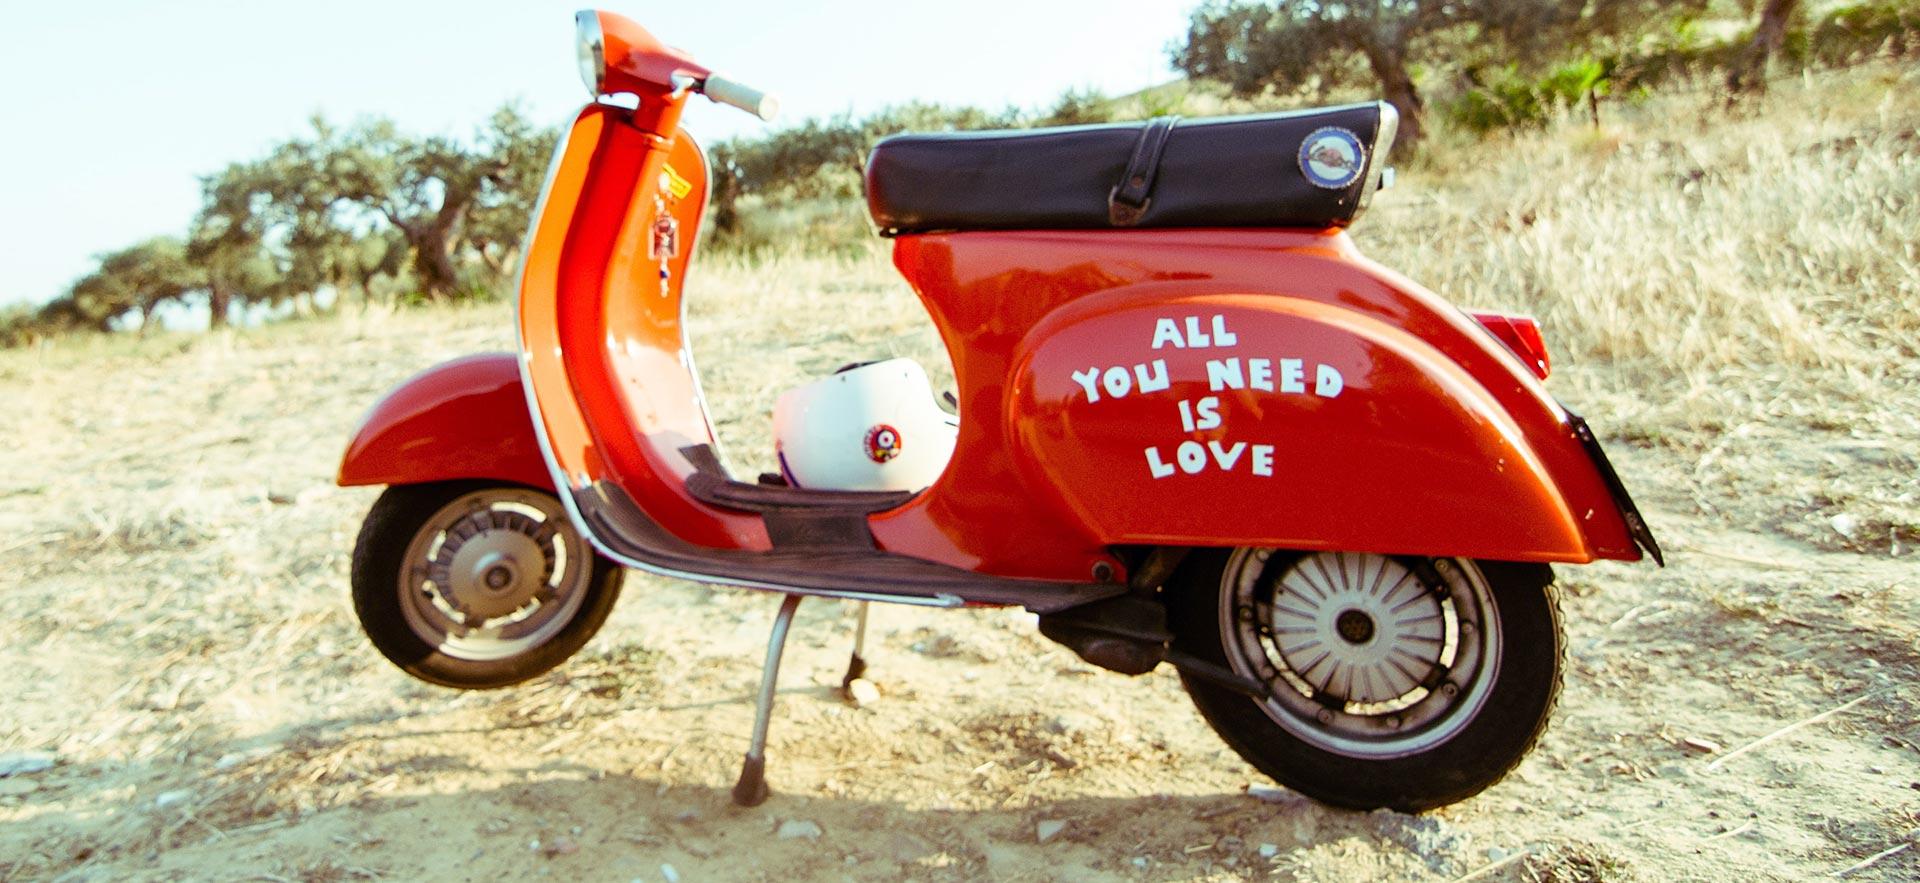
x=437, y=192
x=1289, y=44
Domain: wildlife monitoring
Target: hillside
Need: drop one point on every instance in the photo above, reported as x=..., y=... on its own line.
x=1732, y=299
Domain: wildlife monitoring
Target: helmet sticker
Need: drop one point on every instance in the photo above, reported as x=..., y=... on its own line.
x=1332, y=158
x=883, y=443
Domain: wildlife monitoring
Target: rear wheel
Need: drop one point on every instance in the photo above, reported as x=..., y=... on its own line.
x=1396, y=682
x=477, y=584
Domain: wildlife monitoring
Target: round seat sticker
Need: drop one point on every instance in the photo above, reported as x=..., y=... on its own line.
x=1332, y=158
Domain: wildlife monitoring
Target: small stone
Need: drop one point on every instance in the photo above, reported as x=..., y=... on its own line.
x=1048, y=829
x=862, y=692
x=798, y=829
x=1140, y=861
x=17, y=787
x=1846, y=525
x=1269, y=794
x=20, y=763
x=1269, y=850
x=1495, y=853
x=1913, y=837
x=172, y=798
x=1701, y=746
x=494, y=826
x=671, y=873
x=559, y=846
x=1072, y=723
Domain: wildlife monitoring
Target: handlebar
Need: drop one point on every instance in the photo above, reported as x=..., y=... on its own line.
x=724, y=91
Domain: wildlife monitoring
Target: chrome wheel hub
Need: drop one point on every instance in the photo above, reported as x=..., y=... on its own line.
x=493, y=574
x=492, y=564
x=1365, y=655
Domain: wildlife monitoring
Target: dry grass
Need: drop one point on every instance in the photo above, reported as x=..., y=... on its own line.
x=1712, y=281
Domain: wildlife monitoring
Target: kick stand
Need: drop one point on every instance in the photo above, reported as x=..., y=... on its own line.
x=751, y=790
x=857, y=663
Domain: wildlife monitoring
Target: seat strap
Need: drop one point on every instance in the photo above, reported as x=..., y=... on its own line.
x=1129, y=200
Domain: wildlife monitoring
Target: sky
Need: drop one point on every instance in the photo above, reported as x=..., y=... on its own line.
x=114, y=109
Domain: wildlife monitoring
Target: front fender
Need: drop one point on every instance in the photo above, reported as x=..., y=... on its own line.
x=1158, y=417
x=462, y=419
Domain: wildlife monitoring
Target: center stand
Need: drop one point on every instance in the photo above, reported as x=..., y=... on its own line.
x=752, y=790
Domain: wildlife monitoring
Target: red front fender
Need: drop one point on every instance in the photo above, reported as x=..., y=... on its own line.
x=461, y=419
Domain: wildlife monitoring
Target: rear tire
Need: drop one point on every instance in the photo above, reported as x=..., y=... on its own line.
x=1406, y=683
x=477, y=584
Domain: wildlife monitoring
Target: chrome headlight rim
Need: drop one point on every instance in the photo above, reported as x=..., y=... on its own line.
x=591, y=50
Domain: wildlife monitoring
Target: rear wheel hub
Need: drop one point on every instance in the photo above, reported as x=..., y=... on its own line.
x=1364, y=655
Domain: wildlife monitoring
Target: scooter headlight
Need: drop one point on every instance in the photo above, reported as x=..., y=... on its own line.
x=591, y=47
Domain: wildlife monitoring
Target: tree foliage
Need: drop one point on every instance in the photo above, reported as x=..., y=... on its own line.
x=823, y=158
x=1314, y=44
x=339, y=211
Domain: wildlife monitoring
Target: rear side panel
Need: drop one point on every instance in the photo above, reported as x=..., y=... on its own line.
x=1275, y=421
x=1388, y=420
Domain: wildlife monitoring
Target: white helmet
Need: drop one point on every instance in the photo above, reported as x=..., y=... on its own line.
x=872, y=427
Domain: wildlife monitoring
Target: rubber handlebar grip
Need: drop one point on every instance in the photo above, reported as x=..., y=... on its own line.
x=753, y=101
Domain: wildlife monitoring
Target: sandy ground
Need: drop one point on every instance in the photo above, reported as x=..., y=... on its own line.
x=180, y=644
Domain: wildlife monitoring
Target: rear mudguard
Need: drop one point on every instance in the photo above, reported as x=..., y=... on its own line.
x=463, y=419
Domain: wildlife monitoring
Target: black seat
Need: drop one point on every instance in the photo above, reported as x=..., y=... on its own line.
x=1226, y=172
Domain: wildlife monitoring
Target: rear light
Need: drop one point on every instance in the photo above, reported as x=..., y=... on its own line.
x=1522, y=335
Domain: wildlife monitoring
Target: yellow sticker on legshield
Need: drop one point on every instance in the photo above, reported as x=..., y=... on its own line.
x=677, y=185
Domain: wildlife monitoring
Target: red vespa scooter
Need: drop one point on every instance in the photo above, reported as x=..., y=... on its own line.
x=1200, y=429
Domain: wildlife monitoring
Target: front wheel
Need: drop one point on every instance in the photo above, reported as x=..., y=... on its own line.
x=1397, y=682
x=477, y=584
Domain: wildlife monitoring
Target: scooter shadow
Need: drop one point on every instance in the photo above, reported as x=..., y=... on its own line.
x=584, y=822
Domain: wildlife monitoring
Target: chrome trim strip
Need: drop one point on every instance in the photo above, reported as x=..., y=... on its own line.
x=1375, y=174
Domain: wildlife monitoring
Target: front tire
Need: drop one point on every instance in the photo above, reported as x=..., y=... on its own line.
x=477, y=585
x=1398, y=682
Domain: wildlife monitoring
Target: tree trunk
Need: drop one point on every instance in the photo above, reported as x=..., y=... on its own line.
x=219, y=300
x=1389, y=64
x=433, y=260
x=437, y=272
x=726, y=198
x=1750, y=69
